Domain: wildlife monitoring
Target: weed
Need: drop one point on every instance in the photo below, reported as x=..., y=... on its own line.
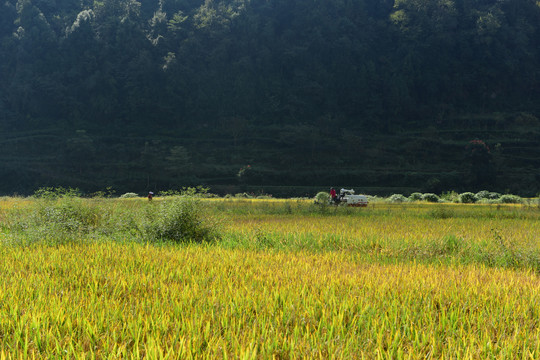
x=180, y=220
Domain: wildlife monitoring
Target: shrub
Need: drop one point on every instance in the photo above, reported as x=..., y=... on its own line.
x=450, y=196
x=487, y=195
x=429, y=197
x=397, y=198
x=179, y=220
x=57, y=220
x=322, y=198
x=468, y=198
x=416, y=196
x=510, y=199
x=56, y=192
x=129, y=195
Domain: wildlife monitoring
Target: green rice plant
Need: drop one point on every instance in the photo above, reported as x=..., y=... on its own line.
x=441, y=213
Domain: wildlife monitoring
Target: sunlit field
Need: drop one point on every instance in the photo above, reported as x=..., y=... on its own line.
x=276, y=279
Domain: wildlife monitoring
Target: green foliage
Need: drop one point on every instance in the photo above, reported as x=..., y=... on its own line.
x=488, y=195
x=429, y=197
x=397, y=198
x=195, y=191
x=441, y=213
x=56, y=192
x=322, y=198
x=129, y=195
x=107, y=193
x=57, y=220
x=468, y=198
x=510, y=199
x=416, y=196
x=450, y=196
x=178, y=220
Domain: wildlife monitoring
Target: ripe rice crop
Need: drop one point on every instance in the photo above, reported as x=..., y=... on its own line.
x=286, y=279
x=108, y=300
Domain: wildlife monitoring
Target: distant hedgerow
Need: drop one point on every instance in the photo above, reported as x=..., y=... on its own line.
x=397, y=198
x=468, y=198
x=429, y=197
x=510, y=199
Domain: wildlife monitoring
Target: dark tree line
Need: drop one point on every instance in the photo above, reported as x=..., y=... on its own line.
x=156, y=93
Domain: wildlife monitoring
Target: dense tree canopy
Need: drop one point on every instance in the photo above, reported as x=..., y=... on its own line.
x=378, y=94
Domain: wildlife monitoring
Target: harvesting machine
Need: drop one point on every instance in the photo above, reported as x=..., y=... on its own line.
x=347, y=196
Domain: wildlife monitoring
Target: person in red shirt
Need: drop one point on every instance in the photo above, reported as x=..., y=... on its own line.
x=150, y=196
x=333, y=194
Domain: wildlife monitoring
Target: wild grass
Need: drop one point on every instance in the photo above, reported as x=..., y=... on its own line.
x=280, y=279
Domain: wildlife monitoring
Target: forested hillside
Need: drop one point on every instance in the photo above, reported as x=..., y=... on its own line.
x=282, y=96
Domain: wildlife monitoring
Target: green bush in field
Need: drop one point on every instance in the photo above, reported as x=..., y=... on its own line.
x=56, y=192
x=179, y=220
x=397, y=198
x=510, y=199
x=468, y=198
x=487, y=195
x=70, y=214
x=57, y=220
x=450, y=196
x=416, y=196
x=429, y=197
x=129, y=195
x=322, y=198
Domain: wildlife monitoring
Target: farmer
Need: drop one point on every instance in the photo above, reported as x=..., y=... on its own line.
x=150, y=196
x=333, y=194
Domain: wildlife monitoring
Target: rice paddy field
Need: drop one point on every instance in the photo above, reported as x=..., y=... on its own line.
x=283, y=279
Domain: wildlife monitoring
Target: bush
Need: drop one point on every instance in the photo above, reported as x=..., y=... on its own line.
x=397, y=198
x=129, y=195
x=56, y=220
x=56, y=192
x=510, y=199
x=468, y=198
x=178, y=220
x=416, y=196
x=429, y=197
x=322, y=198
x=487, y=195
x=450, y=196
